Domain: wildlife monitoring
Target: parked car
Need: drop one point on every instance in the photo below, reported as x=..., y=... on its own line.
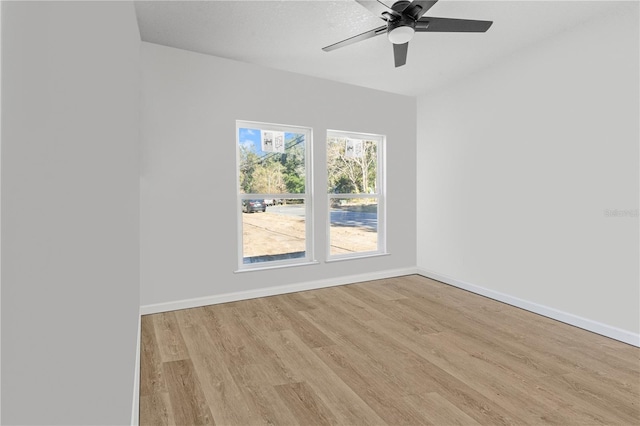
x=250, y=206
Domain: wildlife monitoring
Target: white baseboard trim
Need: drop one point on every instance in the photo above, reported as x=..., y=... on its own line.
x=272, y=291
x=135, y=406
x=565, y=317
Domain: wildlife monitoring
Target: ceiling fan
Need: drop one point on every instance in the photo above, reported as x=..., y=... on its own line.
x=403, y=20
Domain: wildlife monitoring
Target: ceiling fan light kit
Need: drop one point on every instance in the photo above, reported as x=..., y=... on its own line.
x=401, y=31
x=403, y=20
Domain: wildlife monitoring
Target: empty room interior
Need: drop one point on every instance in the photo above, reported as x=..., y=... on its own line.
x=320, y=212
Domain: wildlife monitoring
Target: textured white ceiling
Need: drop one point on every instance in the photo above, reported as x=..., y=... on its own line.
x=289, y=35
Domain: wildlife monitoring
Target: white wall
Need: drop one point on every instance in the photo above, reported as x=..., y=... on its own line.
x=518, y=163
x=70, y=290
x=0, y=213
x=188, y=198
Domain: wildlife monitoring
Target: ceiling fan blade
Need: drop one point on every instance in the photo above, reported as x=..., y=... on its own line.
x=379, y=9
x=400, y=54
x=444, y=25
x=355, y=39
x=417, y=8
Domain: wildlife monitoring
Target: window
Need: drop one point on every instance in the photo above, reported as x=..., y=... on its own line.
x=356, y=194
x=275, y=220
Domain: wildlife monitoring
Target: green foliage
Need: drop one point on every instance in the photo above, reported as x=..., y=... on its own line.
x=295, y=184
x=348, y=175
x=276, y=173
x=273, y=173
x=268, y=178
x=294, y=167
x=248, y=164
x=341, y=184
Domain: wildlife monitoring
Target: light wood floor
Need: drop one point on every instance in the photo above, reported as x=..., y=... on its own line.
x=406, y=350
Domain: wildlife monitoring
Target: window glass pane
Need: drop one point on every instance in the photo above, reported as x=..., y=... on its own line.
x=354, y=225
x=273, y=229
x=271, y=162
x=352, y=166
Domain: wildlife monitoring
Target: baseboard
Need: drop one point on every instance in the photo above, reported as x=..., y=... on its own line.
x=272, y=291
x=567, y=318
x=135, y=406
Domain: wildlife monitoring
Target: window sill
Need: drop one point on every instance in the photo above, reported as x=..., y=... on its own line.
x=356, y=256
x=267, y=267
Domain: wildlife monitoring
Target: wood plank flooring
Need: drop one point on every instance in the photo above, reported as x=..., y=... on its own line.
x=401, y=351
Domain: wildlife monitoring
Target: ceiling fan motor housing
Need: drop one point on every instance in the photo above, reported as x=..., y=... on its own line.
x=401, y=30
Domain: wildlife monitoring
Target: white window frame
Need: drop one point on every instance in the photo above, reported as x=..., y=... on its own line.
x=380, y=195
x=307, y=196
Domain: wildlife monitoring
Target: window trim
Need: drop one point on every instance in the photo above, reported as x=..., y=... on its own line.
x=380, y=195
x=307, y=196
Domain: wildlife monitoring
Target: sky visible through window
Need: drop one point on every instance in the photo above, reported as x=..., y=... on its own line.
x=251, y=139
